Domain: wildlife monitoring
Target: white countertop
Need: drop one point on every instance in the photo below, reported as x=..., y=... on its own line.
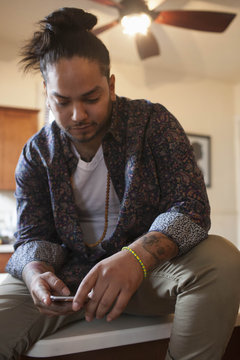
x=83, y=336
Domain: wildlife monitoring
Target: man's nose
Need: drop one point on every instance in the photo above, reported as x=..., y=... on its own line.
x=78, y=112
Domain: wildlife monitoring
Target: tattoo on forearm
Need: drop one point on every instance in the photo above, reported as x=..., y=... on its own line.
x=157, y=247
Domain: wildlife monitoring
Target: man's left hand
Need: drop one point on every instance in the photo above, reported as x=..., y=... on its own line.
x=109, y=285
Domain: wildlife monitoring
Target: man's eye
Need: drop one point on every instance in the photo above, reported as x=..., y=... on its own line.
x=65, y=103
x=92, y=101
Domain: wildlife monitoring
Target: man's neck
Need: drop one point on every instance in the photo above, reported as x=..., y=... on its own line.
x=86, y=150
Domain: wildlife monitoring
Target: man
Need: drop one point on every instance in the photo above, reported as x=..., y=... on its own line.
x=111, y=209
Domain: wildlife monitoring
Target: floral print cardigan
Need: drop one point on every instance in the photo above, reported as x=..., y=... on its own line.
x=155, y=176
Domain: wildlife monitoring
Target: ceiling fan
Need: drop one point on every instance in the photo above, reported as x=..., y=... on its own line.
x=147, y=45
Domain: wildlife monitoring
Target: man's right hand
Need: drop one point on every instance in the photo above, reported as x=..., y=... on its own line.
x=41, y=281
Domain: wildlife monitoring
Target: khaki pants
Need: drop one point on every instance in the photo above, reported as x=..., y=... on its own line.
x=202, y=288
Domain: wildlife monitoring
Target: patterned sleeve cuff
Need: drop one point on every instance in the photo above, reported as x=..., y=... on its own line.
x=45, y=251
x=181, y=229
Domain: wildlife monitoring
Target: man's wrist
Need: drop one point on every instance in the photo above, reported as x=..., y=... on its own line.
x=154, y=248
x=138, y=259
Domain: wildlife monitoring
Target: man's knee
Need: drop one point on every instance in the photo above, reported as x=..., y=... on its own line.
x=223, y=256
x=214, y=265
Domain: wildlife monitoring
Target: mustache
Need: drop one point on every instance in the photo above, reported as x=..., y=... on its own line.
x=78, y=125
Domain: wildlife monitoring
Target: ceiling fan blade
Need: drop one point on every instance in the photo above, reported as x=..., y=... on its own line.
x=103, y=28
x=109, y=3
x=196, y=20
x=160, y=3
x=147, y=45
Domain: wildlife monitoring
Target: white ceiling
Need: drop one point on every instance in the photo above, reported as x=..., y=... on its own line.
x=186, y=52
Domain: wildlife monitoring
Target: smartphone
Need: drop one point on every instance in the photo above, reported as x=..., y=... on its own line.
x=61, y=298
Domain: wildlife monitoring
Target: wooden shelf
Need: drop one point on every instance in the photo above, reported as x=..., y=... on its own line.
x=16, y=127
x=5, y=253
x=4, y=257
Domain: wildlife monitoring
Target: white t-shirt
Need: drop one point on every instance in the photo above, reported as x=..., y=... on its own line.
x=89, y=188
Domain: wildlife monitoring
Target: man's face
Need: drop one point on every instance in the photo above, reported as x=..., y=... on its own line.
x=80, y=98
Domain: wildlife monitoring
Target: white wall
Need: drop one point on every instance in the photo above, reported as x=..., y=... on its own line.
x=237, y=149
x=202, y=106
x=16, y=88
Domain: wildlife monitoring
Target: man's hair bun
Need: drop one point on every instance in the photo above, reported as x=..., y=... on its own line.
x=63, y=34
x=69, y=19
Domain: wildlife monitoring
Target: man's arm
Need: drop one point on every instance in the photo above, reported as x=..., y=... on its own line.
x=38, y=252
x=36, y=237
x=184, y=211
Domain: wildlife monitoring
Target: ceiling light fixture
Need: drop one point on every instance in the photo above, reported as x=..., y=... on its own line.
x=136, y=23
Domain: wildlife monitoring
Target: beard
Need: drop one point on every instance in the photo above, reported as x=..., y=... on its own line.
x=100, y=129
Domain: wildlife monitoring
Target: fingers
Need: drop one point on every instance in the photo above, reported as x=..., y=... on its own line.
x=45, y=285
x=56, y=285
x=86, y=286
x=40, y=292
x=101, y=300
x=119, y=306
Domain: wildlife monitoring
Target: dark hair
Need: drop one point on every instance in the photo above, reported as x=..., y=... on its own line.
x=65, y=33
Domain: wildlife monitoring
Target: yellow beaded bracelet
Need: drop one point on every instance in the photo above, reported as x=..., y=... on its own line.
x=138, y=258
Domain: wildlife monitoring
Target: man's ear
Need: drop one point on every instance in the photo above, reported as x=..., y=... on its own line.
x=112, y=87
